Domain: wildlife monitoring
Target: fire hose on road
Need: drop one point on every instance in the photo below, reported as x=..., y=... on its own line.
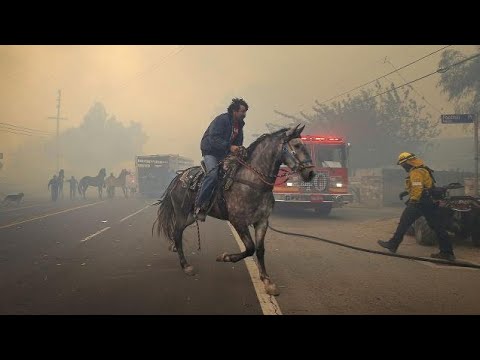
x=457, y=263
x=438, y=261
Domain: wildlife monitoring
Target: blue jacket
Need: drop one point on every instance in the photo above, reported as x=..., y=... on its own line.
x=216, y=140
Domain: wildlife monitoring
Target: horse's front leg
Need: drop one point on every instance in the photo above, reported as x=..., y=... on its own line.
x=260, y=231
x=244, y=234
x=100, y=192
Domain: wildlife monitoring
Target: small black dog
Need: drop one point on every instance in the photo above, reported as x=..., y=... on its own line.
x=12, y=199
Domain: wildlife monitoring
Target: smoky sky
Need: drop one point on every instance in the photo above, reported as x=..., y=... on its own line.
x=174, y=91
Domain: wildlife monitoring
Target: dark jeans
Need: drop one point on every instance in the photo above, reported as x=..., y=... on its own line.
x=432, y=216
x=209, y=182
x=54, y=190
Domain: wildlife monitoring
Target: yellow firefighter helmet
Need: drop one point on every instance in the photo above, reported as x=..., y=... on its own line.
x=405, y=156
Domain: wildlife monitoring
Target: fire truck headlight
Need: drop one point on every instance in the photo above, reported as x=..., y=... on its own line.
x=339, y=184
x=289, y=183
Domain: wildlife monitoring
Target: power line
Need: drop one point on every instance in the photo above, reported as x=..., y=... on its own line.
x=438, y=71
x=415, y=90
x=15, y=127
x=153, y=67
x=20, y=133
x=380, y=77
x=13, y=132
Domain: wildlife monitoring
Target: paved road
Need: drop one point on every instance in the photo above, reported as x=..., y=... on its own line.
x=320, y=278
x=99, y=257
x=47, y=267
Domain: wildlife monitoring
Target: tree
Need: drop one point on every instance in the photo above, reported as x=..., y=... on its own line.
x=378, y=127
x=461, y=82
x=100, y=141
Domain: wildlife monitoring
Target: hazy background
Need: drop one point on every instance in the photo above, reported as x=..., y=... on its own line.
x=167, y=96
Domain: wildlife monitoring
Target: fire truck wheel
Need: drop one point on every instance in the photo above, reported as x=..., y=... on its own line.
x=323, y=211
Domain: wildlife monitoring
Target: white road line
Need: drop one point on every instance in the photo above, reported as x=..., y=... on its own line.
x=51, y=214
x=21, y=208
x=268, y=303
x=135, y=213
x=93, y=235
x=109, y=227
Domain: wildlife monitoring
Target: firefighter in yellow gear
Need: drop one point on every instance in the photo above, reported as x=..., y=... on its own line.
x=418, y=184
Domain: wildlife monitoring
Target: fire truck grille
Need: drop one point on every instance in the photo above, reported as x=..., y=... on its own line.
x=319, y=182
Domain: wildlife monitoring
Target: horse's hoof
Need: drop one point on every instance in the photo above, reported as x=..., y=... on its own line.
x=172, y=247
x=223, y=257
x=272, y=289
x=189, y=270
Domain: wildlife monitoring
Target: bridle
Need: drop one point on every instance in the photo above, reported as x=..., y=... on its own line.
x=299, y=165
x=288, y=151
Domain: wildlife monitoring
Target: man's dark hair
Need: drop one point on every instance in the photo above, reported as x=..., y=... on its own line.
x=235, y=105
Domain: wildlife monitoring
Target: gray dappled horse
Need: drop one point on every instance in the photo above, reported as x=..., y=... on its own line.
x=249, y=201
x=97, y=181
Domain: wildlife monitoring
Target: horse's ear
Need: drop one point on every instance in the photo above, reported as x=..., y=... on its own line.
x=299, y=131
x=291, y=132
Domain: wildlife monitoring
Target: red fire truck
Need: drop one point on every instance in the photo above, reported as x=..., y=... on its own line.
x=329, y=187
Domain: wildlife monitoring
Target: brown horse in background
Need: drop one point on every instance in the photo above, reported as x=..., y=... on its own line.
x=97, y=181
x=112, y=183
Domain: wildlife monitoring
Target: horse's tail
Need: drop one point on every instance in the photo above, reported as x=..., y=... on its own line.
x=166, y=213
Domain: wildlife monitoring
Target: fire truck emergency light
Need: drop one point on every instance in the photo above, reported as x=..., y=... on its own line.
x=321, y=138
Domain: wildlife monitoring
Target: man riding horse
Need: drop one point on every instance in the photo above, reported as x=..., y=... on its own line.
x=248, y=201
x=223, y=135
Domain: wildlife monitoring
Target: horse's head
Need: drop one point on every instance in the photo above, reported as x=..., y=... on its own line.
x=102, y=172
x=296, y=155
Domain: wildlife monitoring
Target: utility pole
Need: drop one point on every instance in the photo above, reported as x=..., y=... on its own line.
x=58, y=118
x=475, y=137
x=466, y=119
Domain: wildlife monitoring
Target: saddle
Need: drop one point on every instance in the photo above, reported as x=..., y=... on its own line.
x=191, y=178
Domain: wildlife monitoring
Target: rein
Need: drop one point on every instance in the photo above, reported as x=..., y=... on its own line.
x=264, y=178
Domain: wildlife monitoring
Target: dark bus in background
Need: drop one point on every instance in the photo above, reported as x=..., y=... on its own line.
x=154, y=172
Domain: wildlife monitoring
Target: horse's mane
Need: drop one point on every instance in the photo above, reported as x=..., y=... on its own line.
x=251, y=148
